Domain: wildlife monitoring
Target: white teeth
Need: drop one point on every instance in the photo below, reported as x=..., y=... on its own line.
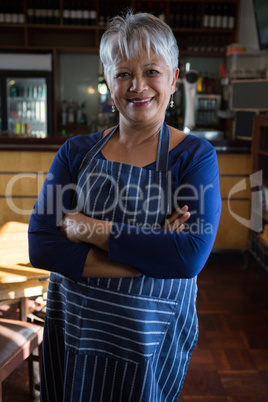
x=140, y=101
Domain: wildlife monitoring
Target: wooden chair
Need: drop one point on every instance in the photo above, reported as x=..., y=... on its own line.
x=18, y=339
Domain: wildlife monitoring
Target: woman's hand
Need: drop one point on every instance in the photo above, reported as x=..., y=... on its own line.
x=81, y=228
x=73, y=226
x=177, y=219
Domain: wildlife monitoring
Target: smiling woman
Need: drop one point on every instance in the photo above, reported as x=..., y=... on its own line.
x=122, y=222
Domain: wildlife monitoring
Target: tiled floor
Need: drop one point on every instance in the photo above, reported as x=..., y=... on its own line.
x=230, y=362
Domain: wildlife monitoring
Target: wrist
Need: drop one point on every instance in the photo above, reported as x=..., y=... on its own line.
x=96, y=232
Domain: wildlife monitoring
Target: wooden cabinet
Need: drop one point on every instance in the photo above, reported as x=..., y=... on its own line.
x=22, y=174
x=234, y=172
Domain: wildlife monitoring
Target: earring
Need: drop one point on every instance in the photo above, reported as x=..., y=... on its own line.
x=113, y=108
x=171, y=102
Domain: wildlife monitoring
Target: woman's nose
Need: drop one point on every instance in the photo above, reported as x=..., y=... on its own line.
x=138, y=84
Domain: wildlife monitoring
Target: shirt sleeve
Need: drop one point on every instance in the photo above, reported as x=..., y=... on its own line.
x=48, y=248
x=169, y=254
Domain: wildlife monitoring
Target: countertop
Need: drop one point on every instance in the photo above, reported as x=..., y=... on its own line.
x=51, y=144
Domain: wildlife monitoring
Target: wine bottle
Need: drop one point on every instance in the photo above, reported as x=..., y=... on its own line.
x=30, y=12
x=21, y=13
x=92, y=17
x=42, y=12
x=190, y=13
x=73, y=13
x=150, y=8
x=8, y=12
x=206, y=17
x=224, y=20
x=14, y=12
x=178, y=16
x=231, y=17
x=66, y=13
x=85, y=13
x=197, y=16
x=161, y=14
x=1, y=12
x=79, y=14
x=218, y=16
x=56, y=12
x=211, y=24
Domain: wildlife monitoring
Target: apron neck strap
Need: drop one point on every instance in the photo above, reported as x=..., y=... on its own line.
x=100, y=144
x=162, y=148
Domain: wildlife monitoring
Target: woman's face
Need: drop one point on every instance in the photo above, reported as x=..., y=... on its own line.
x=141, y=88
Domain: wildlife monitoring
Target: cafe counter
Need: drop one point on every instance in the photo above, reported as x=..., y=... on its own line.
x=24, y=163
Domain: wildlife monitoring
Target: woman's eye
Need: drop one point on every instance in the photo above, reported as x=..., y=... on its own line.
x=152, y=72
x=122, y=75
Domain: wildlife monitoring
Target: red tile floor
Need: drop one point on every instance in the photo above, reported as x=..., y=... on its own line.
x=230, y=362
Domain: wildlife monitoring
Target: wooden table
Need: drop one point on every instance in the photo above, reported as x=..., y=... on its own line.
x=18, y=279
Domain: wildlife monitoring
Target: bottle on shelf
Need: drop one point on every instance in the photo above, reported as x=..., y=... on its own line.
x=161, y=13
x=36, y=13
x=218, y=20
x=71, y=113
x=231, y=17
x=206, y=17
x=212, y=16
x=79, y=13
x=79, y=117
x=224, y=19
x=178, y=16
x=150, y=7
x=85, y=14
x=84, y=115
x=49, y=18
x=21, y=18
x=14, y=12
x=185, y=15
x=66, y=13
x=110, y=12
x=197, y=16
x=30, y=12
x=2, y=19
x=55, y=12
x=8, y=12
x=73, y=18
x=92, y=16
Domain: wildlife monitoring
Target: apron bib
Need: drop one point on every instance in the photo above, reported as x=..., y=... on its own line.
x=120, y=339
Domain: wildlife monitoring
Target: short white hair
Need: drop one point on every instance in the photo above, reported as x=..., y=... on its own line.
x=126, y=36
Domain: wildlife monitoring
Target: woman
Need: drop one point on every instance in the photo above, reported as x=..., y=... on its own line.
x=121, y=318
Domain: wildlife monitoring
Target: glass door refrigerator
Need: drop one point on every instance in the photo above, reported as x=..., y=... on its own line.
x=26, y=103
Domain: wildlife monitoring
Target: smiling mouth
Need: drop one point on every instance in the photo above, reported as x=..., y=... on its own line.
x=138, y=101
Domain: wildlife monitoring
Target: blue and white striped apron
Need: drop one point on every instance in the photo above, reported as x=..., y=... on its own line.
x=125, y=339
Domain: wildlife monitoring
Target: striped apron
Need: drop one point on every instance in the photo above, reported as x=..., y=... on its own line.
x=123, y=339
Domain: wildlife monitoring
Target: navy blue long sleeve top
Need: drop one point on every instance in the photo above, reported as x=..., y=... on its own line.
x=153, y=252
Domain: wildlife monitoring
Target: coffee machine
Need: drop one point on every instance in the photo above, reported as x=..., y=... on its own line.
x=190, y=82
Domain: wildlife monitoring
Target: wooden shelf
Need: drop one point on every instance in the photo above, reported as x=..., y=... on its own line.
x=11, y=34
x=264, y=153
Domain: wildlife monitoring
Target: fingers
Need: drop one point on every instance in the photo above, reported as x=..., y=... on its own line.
x=177, y=219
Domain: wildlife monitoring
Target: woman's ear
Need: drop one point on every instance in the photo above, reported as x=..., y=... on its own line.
x=174, y=79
